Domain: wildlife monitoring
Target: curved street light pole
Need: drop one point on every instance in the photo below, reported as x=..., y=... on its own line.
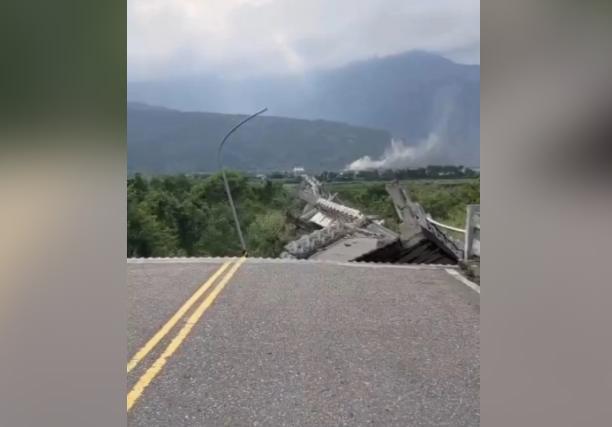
x=227, y=188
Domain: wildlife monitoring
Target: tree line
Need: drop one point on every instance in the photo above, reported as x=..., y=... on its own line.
x=429, y=172
x=190, y=216
x=182, y=215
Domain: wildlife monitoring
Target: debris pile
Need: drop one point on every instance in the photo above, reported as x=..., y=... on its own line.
x=347, y=234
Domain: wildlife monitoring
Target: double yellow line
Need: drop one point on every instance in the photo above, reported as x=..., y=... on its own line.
x=157, y=366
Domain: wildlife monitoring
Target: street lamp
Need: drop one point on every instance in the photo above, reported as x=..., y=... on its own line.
x=227, y=188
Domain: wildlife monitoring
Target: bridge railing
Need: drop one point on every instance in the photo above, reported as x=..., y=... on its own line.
x=446, y=227
x=471, y=233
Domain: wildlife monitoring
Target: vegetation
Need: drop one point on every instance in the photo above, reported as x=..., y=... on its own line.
x=445, y=201
x=429, y=172
x=189, y=215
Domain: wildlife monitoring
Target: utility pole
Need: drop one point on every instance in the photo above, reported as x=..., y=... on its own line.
x=227, y=188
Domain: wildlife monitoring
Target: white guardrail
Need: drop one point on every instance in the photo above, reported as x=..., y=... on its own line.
x=448, y=227
x=471, y=231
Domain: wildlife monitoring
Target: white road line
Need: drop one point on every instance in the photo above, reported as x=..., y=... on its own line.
x=463, y=280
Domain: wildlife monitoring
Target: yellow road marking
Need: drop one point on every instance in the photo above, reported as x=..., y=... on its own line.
x=155, y=339
x=157, y=366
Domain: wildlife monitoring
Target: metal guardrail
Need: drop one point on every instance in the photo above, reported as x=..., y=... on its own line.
x=471, y=231
x=448, y=227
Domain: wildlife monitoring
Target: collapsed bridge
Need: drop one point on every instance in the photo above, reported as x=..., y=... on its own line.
x=346, y=234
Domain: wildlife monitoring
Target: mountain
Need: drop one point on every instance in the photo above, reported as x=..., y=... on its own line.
x=414, y=96
x=165, y=141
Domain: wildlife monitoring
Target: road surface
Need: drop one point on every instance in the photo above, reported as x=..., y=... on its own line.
x=300, y=343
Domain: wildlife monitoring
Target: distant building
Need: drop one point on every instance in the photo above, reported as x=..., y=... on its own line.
x=298, y=170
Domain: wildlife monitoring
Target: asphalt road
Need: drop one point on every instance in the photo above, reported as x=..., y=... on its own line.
x=306, y=344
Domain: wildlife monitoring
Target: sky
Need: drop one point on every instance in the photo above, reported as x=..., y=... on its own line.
x=169, y=39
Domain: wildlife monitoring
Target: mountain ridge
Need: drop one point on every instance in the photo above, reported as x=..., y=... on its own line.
x=415, y=96
x=166, y=141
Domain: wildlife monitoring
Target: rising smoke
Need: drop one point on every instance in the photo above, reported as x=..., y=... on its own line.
x=441, y=146
x=401, y=155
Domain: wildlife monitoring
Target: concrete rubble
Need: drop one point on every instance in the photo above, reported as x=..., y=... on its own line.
x=347, y=234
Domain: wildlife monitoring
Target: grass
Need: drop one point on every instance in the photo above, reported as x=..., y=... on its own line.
x=444, y=200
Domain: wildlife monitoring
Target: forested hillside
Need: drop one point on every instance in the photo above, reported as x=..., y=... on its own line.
x=164, y=141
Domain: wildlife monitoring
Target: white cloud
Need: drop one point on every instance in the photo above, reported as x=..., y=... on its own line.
x=170, y=38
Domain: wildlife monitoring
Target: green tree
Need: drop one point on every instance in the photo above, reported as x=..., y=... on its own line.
x=147, y=236
x=268, y=233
